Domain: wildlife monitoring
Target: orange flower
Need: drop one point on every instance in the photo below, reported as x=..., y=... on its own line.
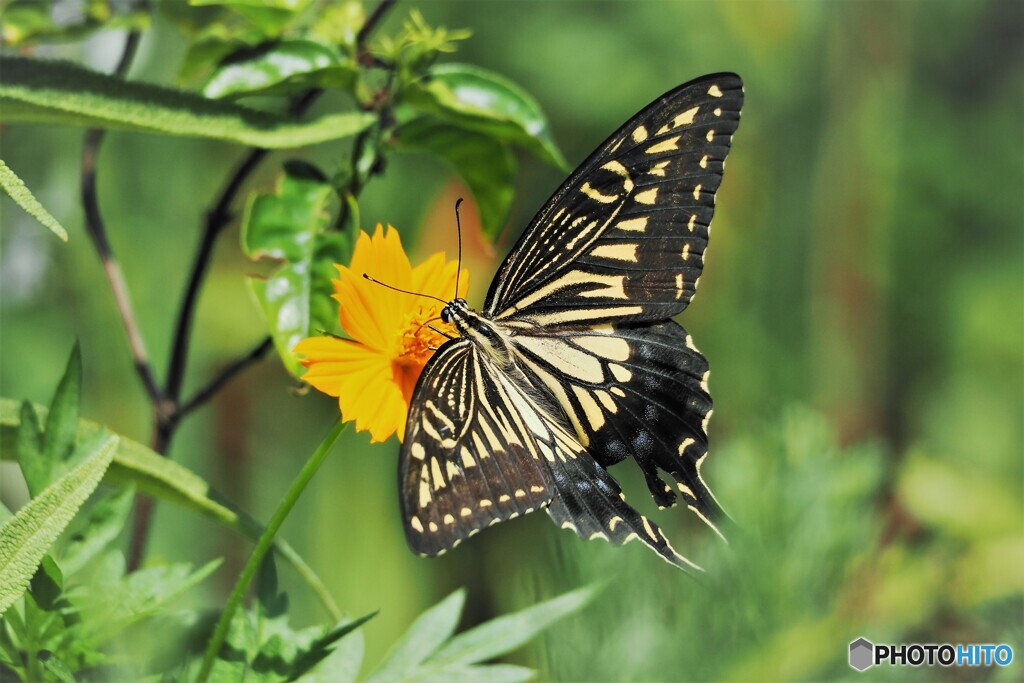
x=373, y=373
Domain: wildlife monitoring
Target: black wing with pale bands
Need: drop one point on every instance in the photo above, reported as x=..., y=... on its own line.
x=479, y=449
x=468, y=459
x=624, y=237
x=635, y=391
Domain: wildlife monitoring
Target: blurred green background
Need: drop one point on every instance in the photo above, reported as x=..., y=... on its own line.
x=862, y=309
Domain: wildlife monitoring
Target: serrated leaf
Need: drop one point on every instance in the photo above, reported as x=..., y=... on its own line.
x=507, y=633
x=26, y=537
x=139, y=595
x=342, y=665
x=486, y=164
x=324, y=647
x=287, y=226
x=44, y=91
x=480, y=100
x=164, y=479
x=23, y=197
x=492, y=673
x=102, y=524
x=427, y=633
x=282, y=67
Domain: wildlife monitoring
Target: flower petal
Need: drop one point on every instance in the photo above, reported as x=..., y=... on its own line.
x=370, y=312
x=361, y=378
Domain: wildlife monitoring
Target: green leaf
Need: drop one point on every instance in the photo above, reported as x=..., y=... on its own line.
x=24, y=198
x=30, y=20
x=480, y=100
x=46, y=584
x=26, y=537
x=287, y=226
x=289, y=5
x=339, y=23
x=282, y=67
x=164, y=479
x=427, y=633
x=62, y=418
x=44, y=456
x=324, y=646
x=507, y=633
x=34, y=90
x=25, y=19
x=56, y=666
x=986, y=507
x=486, y=164
x=492, y=673
x=139, y=595
x=29, y=450
x=102, y=523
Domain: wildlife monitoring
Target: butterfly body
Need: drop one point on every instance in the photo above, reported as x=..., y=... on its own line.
x=574, y=363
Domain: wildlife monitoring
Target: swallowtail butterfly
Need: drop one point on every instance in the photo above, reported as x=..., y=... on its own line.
x=574, y=363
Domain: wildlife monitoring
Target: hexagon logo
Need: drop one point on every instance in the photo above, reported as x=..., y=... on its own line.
x=862, y=654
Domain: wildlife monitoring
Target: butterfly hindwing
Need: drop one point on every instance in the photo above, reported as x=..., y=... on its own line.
x=631, y=391
x=525, y=458
x=624, y=237
x=590, y=503
x=468, y=459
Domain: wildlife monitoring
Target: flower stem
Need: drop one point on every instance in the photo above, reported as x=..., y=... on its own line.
x=263, y=546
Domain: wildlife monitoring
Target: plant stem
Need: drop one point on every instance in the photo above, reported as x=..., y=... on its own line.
x=263, y=545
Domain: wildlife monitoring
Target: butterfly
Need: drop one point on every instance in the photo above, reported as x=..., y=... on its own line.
x=574, y=363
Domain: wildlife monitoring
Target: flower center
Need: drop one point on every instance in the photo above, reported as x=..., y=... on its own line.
x=417, y=342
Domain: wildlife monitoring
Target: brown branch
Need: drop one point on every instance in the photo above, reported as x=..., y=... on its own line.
x=372, y=21
x=207, y=392
x=97, y=231
x=220, y=216
x=217, y=218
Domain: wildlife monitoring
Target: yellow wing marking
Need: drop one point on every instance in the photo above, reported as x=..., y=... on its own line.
x=647, y=196
x=596, y=195
x=634, y=224
x=619, y=252
x=668, y=145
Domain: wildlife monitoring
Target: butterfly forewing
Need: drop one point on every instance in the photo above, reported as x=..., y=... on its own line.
x=624, y=237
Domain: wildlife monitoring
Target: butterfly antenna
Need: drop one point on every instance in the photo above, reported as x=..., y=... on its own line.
x=458, y=225
x=403, y=291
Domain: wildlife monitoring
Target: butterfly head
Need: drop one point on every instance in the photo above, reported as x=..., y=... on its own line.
x=478, y=329
x=454, y=310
